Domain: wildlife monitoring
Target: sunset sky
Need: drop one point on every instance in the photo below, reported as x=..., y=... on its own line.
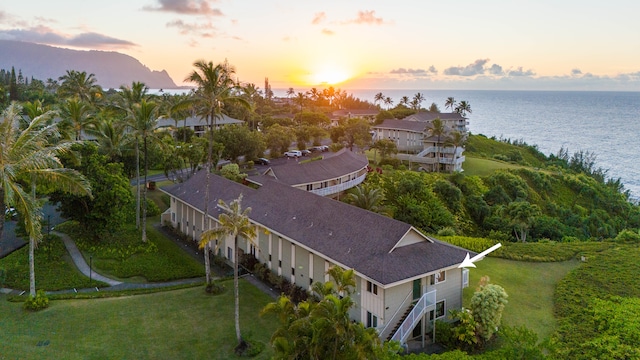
x=537, y=45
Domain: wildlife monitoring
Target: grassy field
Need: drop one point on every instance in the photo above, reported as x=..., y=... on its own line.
x=180, y=324
x=530, y=287
x=484, y=167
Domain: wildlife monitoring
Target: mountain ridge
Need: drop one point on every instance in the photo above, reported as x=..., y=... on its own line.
x=111, y=69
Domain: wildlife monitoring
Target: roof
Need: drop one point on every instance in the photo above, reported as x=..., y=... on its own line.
x=192, y=121
x=406, y=125
x=342, y=233
x=356, y=112
x=294, y=172
x=425, y=116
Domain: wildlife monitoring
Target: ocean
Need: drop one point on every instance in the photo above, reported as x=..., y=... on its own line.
x=604, y=123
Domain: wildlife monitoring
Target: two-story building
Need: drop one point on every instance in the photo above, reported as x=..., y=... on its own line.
x=415, y=144
x=405, y=279
x=329, y=176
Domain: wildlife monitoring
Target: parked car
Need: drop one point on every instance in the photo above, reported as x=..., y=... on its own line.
x=305, y=152
x=293, y=153
x=262, y=161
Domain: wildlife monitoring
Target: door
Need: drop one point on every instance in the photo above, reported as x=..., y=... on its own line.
x=416, y=289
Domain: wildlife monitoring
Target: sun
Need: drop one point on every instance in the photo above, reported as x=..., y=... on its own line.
x=329, y=76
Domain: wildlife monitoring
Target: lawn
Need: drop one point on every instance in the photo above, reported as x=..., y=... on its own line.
x=530, y=287
x=179, y=324
x=484, y=167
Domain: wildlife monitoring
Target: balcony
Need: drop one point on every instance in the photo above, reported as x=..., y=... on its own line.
x=335, y=189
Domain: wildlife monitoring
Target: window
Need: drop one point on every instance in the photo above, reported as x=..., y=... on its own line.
x=372, y=320
x=440, y=310
x=465, y=278
x=438, y=278
x=372, y=288
x=173, y=216
x=229, y=253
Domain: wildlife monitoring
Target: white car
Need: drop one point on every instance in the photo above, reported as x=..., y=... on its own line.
x=293, y=153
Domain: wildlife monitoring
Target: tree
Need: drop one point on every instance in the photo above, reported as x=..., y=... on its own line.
x=463, y=108
x=290, y=92
x=112, y=202
x=142, y=120
x=379, y=97
x=450, y=103
x=278, y=139
x=77, y=116
x=31, y=156
x=356, y=132
x=323, y=329
x=215, y=87
x=80, y=85
x=388, y=101
x=386, y=147
x=487, y=305
x=233, y=222
x=367, y=198
x=438, y=130
x=523, y=215
x=418, y=98
x=300, y=99
x=405, y=101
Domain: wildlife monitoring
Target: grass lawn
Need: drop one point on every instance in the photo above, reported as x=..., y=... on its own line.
x=180, y=324
x=530, y=287
x=484, y=167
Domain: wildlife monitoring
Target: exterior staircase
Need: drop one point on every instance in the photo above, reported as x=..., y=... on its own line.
x=399, y=323
x=402, y=331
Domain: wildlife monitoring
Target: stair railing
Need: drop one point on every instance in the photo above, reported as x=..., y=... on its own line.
x=426, y=302
x=393, y=318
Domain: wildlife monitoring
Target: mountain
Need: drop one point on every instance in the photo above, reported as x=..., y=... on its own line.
x=111, y=68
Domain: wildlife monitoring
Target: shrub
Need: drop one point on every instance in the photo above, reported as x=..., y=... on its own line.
x=628, y=236
x=39, y=302
x=214, y=288
x=447, y=231
x=152, y=209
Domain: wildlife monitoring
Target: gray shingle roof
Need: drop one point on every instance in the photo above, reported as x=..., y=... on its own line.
x=425, y=116
x=395, y=124
x=348, y=235
x=333, y=166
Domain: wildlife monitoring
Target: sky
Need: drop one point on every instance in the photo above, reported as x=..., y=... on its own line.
x=355, y=44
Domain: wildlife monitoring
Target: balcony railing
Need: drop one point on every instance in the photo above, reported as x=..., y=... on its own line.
x=334, y=189
x=426, y=303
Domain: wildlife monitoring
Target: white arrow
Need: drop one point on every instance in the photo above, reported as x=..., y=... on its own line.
x=470, y=262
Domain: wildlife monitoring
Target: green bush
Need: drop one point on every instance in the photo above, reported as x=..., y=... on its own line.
x=39, y=302
x=447, y=231
x=628, y=236
x=152, y=209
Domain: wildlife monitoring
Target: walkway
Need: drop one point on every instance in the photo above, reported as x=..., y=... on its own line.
x=115, y=285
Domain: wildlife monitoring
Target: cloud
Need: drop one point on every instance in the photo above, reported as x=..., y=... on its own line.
x=328, y=32
x=432, y=69
x=520, y=72
x=476, y=68
x=365, y=17
x=576, y=72
x=186, y=7
x=319, y=18
x=408, y=71
x=203, y=30
x=45, y=35
x=495, y=69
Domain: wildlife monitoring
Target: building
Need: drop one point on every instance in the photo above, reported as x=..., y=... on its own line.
x=415, y=144
x=330, y=176
x=197, y=124
x=405, y=279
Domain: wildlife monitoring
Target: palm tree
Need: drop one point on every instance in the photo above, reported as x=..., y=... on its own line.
x=113, y=140
x=29, y=154
x=388, y=101
x=290, y=92
x=79, y=84
x=457, y=140
x=215, y=87
x=379, y=97
x=77, y=116
x=450, y=103
x=463, y=108
x=418, y=98
x=125, y=101
x=368, y=198
x=235, y=223
x=142, y=120
x=300, y=99
x=405, y=101
x=437, y=129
